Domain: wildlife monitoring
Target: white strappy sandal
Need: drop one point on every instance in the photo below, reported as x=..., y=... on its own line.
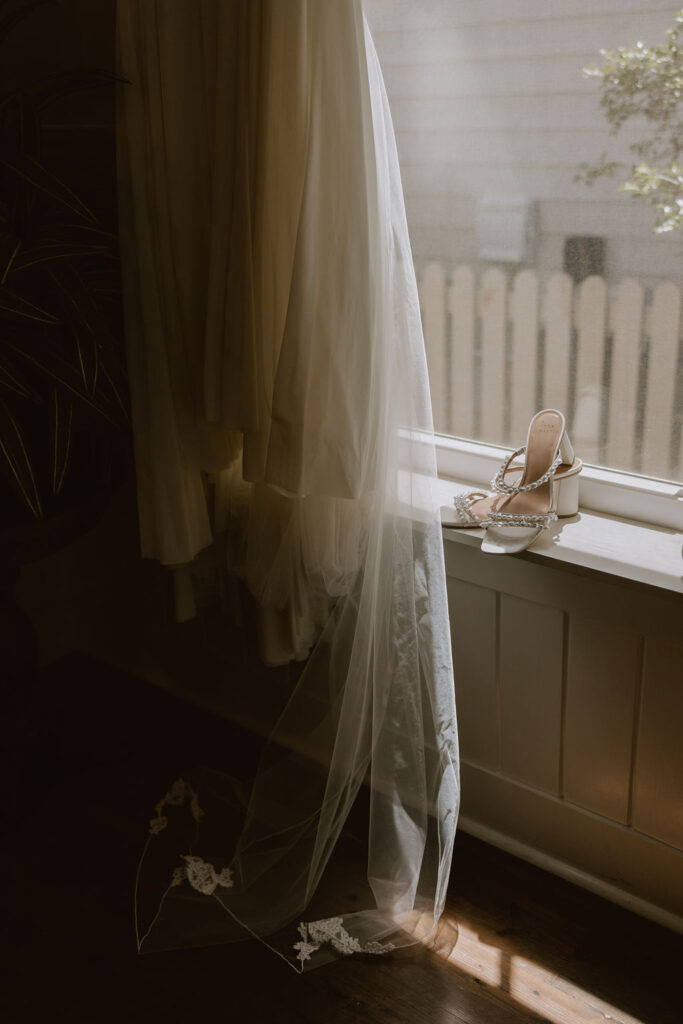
x=469, y=510
x=548, y=488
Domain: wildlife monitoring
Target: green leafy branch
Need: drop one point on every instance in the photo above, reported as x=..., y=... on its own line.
x=645, y=82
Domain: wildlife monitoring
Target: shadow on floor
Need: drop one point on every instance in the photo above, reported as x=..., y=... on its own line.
x=90, y=750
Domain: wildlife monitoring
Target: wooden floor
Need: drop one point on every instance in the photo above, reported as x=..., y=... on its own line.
x=90, y=750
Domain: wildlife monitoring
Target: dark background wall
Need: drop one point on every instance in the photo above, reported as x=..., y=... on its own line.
x=72, y=35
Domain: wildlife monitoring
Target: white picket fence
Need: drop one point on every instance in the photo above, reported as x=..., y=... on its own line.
x=500, y=347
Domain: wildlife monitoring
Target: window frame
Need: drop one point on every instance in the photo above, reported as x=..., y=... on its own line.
x=612, y=492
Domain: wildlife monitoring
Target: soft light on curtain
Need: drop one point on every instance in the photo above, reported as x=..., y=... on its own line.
x=272, y=310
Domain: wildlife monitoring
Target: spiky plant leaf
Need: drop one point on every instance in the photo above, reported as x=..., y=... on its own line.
x=61, y=421
x=117, y=392
x=14, y=381
x=67, y=376
x=16, y=462
x=54, y=87
x=14, y=18
x=27, y=168
x=15, y=307
x=10, y=245
x=85, y=321
x=49, y=251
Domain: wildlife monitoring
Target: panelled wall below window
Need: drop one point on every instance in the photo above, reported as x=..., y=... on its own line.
x=570, y=708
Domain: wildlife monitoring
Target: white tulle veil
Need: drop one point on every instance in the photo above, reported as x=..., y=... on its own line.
x=329, y=392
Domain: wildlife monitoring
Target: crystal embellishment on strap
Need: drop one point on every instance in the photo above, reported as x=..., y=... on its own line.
x=529, y=519
x=498, y=482
x=542, y=519
x=463, y=506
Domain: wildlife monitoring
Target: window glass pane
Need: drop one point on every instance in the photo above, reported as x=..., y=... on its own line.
x=536, y=289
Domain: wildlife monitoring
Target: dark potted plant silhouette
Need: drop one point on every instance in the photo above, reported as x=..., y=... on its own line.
x=63, y=404
x=64, y=426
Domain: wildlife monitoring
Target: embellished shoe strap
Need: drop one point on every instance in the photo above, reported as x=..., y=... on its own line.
x=463, y=506
x=530, y=519
x=498, y=483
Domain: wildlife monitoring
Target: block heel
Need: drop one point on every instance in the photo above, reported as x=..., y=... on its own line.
x=547, y=490
x=567, y=488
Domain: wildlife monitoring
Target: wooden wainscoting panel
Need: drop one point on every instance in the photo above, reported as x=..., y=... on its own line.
x=473, y=633
x=531, y=655
x=612, y=855
x=603, y=667
x=618, y=604
x=658, y=773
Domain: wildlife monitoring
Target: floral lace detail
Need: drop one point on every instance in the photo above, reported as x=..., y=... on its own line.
x=378, y=947
x=180, y=792
x=330, y=929
x=305, y=947
x=202, y=876
x=179, y=876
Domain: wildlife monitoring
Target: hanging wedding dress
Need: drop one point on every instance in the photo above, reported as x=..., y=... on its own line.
x=296, y=334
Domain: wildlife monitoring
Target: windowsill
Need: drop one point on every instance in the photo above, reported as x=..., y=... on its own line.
x=632, y=550
x=617, y=494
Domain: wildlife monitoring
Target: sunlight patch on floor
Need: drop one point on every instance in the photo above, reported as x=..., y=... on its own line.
x=525, y=982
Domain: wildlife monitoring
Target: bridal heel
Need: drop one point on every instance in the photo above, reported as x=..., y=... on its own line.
x=469, y=511
x=567, y=489
x=547, y=490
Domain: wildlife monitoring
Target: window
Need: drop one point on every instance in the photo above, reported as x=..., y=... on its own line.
x=536, y=289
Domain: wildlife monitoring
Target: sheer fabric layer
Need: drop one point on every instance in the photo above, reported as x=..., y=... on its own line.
x=342, y=530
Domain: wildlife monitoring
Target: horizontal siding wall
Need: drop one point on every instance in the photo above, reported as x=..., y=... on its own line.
x=385, y=15
x=488, y=98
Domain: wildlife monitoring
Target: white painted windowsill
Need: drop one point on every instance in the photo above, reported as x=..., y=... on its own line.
x=632, y=550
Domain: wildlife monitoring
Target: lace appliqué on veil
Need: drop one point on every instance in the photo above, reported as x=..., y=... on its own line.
x=180, y=792
x=315, y=933
x=202, y=876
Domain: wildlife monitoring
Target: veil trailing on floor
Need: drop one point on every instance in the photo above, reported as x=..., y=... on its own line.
x=296, y=339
